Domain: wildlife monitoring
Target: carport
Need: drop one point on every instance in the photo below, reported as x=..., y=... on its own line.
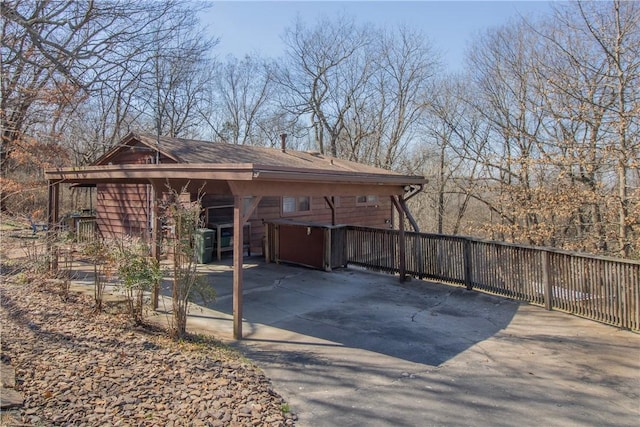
x=242, y=181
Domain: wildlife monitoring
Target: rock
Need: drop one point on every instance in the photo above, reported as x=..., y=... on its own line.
x=77, y=367
x=8, y=375
x=10, y=398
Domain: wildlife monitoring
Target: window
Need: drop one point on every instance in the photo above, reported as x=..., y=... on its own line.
x=295, y=204
x=369, y=200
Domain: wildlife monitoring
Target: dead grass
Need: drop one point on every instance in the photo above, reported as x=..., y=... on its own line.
x=10, y=223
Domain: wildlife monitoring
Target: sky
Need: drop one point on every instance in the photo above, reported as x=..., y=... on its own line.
x=248, y=27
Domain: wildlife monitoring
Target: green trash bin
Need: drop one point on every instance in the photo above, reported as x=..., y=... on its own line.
x=203, y=245
x=226, y=237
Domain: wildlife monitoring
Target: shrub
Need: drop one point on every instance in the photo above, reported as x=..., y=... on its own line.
x=138, y=273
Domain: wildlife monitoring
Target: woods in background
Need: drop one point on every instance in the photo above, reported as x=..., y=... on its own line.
x=540, y=143
x=537, y=141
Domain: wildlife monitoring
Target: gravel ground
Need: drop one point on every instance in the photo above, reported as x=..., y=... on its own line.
x=77, y=367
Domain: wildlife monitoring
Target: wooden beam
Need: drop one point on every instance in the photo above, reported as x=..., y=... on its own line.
x=143, y=172
x=156, y=236
x=238, y=255
x=402, y=269
x=250, y=209
x=280, y=188
x=332, y=206
x=232, y=172
x=410, y=217
x=53, y=214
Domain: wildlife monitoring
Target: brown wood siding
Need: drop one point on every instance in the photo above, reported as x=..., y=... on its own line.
x=122, y=209
x=347, y=212
x=138, y=155
x=270, y=209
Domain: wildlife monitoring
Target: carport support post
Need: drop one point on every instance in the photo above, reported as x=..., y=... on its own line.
x=53, y=211
x=156, y=239
x=240, y=218
x=402, y=269
x=238, y=254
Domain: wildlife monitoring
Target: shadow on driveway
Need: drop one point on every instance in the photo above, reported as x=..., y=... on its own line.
x=418, y=321
x=354, y=348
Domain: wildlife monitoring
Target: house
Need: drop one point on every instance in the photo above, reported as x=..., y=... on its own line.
x=128, y=208
x=242, y=187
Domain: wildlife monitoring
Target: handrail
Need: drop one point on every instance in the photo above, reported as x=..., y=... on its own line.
x=601, y=288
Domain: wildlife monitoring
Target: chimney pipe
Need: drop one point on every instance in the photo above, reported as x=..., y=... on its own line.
x=283, y=139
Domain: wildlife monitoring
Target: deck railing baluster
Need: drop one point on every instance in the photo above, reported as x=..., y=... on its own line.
x=600, y=288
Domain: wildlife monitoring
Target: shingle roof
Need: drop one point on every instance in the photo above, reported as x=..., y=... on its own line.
x=196, y=151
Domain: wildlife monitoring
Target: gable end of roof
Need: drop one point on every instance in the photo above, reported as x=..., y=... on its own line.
x=132, y=140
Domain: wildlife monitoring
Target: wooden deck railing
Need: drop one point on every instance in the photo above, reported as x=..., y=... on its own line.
x=599, y=288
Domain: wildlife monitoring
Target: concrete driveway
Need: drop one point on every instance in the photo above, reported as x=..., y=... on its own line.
x=353, y=348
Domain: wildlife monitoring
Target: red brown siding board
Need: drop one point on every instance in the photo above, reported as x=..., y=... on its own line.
x=122, y=209
x=269, y=209
x=138, y=154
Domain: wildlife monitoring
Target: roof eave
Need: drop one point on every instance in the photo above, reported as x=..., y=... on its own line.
x=229, y=172
x=146, y=172
x=336, y=177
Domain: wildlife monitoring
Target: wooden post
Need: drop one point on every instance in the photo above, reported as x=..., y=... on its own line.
x=238, y=254
x=240, y=218
x=418, y=255
x=402, y=268
x=467, y=264
x=156, y=238
x=332, y=206
x=267, y=243
x=276, y=243
x=327, y=249
x=53, y=212
x=546, y=281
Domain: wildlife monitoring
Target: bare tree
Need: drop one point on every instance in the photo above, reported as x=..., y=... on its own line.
x=379, y=127
x=454, y=134
x=241, y=101
x=601, y=47
x=176, y=78
x=560, y=98
x=503, y=74
x=52, y=50
x=327, y=67
x=55, y=56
